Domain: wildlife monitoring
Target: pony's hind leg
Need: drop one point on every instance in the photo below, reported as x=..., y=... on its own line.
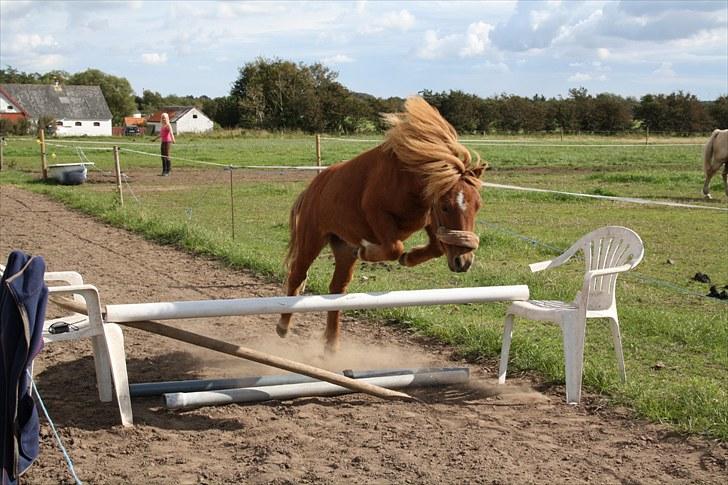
x=305, y=254
x=725, y=177
x=345, y=259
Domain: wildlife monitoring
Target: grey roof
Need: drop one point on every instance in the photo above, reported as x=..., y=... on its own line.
x=60, y=102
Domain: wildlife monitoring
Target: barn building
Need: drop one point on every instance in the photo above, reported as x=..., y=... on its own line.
x=184, y=119
x=77, y=110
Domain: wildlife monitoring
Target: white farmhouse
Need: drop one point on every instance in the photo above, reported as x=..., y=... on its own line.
x=184, y=119
x=77, y=110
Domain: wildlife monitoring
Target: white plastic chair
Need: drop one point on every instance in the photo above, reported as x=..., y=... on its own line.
x=608, y=251
x=107, y=339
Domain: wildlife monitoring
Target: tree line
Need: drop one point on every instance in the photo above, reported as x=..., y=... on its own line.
x=281, y=95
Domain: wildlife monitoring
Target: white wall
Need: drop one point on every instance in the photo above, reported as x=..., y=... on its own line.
x=87, y=127
x=7, y=107
x=189, y=124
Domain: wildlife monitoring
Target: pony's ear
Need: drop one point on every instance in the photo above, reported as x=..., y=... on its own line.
x=477, y=171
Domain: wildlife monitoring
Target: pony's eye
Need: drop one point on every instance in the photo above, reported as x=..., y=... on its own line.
x=445, y=208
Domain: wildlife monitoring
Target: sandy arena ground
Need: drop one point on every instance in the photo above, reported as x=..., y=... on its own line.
x=519, y=433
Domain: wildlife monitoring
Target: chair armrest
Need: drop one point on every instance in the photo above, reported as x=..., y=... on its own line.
x=540, y=266
x=605, y=271
x=89, y=293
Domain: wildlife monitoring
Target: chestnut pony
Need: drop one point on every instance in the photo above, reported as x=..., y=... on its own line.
x=419, y=177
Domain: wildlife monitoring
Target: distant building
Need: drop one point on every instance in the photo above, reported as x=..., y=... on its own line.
x=77, y=110
x=184, y=119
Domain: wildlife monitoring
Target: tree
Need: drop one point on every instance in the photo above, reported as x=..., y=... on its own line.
x=718, y=111
x=117, y=91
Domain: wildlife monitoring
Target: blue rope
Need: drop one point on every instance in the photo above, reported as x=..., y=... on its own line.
x=55, y=433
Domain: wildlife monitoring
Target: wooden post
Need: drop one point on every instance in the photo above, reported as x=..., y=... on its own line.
x=647, y=135
x=318, y=150
x=2, y=142
x=117, y=171
x=43, y=159
x=232, y=203
x=561, y=129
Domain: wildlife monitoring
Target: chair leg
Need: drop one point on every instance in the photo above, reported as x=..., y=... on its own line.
x=103, y=368
x=574, y=330
x=117, y=358
x=505, y=348
x=617, y=337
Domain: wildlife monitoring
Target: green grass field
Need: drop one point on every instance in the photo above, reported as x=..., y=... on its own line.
x=675, y=339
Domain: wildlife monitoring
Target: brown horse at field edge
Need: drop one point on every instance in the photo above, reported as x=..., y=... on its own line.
x=421, y=176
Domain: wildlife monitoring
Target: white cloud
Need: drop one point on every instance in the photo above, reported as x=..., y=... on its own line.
x=665, y=70
x=154, y=58
x=476, y=39
x=402, y=20
x=583, y=77
x=603, y=53
x=436, y=47
x=337, y=59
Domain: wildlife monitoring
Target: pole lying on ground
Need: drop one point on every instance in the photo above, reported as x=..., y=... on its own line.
x=249, y=354
x=146, y=389
x=184, y=400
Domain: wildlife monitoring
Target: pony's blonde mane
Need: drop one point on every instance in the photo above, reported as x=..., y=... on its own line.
x=428, y=145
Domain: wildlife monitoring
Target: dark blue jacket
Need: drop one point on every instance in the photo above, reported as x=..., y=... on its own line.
x=23, y=299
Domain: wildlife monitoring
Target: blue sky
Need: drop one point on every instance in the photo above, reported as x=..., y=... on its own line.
x=385, y=48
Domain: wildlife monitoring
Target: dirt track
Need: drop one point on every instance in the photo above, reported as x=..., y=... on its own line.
x=473, y=434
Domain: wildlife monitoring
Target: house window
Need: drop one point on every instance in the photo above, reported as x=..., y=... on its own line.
x=59, y=123
x=78, y=123
x=10, y=108
x=194, y=116
x=96, y=123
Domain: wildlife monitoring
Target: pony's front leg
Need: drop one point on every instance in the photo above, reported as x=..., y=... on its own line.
x=390, y=248
x=420, y=254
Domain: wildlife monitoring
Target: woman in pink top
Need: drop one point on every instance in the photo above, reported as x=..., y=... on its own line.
x=167, y=137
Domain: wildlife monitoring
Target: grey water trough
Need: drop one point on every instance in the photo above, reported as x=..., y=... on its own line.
x=69, y=173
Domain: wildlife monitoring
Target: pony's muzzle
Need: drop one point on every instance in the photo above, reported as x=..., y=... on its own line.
x=461, y=263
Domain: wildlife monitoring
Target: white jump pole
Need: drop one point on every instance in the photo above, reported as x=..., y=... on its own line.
x=136, y=312
x=146, y=389
x=183, y=400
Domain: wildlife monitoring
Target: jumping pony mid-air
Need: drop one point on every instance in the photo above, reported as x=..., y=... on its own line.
x=421, y=176
x=715, y=155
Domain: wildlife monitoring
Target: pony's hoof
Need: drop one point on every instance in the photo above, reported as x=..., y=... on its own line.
x=402, y=259
x=281, y=331
x=707, y=196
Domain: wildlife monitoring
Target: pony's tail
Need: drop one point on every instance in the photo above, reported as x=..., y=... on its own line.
x=708, y=150
x=293, y=228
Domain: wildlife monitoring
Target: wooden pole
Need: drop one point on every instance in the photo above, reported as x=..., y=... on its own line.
x=43, y=159
x=647, y=135
x=2, y=142
x=247, y=354
x=117, y=171
x=318, y=150
x=232, y=204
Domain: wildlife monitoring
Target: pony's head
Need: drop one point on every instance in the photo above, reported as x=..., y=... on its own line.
x=453, y=217
x=427, y=145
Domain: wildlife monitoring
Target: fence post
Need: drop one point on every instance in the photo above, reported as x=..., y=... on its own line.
x=2, y=142
x=318, y=150
x=232, y=203
x=117, y=171
x=43, y=159
x=647, y=135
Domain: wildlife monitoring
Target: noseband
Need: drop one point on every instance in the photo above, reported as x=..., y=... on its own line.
x=461, y=239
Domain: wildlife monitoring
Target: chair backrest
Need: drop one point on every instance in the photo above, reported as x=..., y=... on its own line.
x=609, y=247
